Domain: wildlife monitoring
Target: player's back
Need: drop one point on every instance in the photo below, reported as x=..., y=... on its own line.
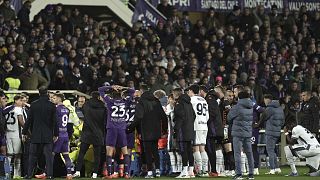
x=62, y=120
x=117, y=113
x=200, y=107
x=131, y=110
x=304, y=136
x=12, y=122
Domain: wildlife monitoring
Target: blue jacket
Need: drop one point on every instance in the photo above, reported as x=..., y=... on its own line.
x=241, y=116
x=274, y=117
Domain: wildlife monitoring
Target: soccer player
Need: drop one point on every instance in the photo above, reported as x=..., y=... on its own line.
x=14, y=121
x=116, y=125
x=303, y=144
x=61, y=144
x=130, y=111
x=200, y=107
x=3, y=111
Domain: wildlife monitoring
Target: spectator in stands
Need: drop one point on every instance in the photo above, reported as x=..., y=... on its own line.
x=31, y=80
x=165, y=8
x=23, y=16
x=7, y=12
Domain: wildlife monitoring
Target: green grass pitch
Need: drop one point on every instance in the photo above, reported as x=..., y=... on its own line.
x=262, y=176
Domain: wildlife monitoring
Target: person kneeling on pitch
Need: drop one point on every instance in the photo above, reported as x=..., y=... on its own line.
x=303, y=144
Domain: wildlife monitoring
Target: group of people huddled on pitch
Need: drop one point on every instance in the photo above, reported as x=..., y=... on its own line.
x=188, y=125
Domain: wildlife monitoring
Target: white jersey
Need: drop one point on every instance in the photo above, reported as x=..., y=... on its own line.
x=13, y=129
x=303, y=136
x=200, y=107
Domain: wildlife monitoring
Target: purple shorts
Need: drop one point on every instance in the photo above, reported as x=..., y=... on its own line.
x=130, y=140
x=3, y=140
x=61, y=145
x=116, y=137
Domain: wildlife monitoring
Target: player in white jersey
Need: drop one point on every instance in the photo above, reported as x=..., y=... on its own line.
x=14, y=122
x=303, y=145
x=200, y=107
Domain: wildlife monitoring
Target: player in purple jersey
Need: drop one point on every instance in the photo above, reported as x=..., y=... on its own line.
x=116, y=124
x=61, y=144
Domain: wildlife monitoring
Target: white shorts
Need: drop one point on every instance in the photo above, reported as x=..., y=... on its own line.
x=305, y=151
x=201, y=137
x=14, y=146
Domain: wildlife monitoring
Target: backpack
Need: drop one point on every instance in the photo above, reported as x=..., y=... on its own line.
x=4, y=167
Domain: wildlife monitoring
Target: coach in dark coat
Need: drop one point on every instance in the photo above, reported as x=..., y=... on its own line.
x=93, y=131
x=149, y=115
x=41, y=123
x=184, y=117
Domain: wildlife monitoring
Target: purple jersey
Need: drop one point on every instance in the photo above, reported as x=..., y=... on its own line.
x=117, y=109
x=62, y=120
x=131, y=110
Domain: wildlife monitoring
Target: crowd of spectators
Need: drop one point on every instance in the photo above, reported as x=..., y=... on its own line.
x=276, y=52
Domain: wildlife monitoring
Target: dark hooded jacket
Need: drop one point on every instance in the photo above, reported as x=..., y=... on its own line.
x=215, y=128
x=150, y=117
x=240, y=117
x=274, y=117
x=93, y=131
x=184, y=117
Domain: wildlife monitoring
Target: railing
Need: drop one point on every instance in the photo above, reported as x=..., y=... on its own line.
x=73, y=92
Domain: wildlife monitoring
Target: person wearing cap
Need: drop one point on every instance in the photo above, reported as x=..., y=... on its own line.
x=41, y=123
x=234, y=17
x=6, y=10
x=274, y=16
x=200, y=106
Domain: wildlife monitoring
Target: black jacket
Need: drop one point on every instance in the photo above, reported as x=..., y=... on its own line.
x=215, y=128
x=93, y=131
x=309, y=115
x=184, y=117
x=149, y=117
x=41, y=121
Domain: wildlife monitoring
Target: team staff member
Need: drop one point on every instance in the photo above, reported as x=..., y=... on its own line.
x=215, y=128
x=42, y=124
x=93, y=132
x=309, y=117
x=149, y=115
x=274, y=117
x=241, y=116
x=184, y=117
